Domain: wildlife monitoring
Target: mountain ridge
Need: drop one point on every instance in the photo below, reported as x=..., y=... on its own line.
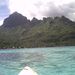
x=19, y=32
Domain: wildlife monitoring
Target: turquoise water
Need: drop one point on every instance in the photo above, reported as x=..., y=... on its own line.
x=45, y=61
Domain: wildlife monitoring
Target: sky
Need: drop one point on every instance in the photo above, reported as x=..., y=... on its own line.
x=38, y=8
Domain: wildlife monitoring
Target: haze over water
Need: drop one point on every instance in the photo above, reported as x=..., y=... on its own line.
x=45, y=61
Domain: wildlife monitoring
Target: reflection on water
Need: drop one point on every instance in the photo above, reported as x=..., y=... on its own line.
x=45, y=61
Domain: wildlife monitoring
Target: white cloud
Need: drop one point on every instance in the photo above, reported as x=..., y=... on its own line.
x=38, y=8
x=26, y=7
x=1, y=22
x=43, y=8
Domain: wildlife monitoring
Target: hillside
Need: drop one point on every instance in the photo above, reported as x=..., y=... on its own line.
x=19, y=32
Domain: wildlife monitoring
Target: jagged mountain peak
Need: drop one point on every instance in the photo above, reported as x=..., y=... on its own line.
x=15, y=19
x=16, y=14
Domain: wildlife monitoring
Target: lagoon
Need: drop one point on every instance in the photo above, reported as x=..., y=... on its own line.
x=45, y=61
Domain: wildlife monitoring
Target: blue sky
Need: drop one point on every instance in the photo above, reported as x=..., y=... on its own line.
x=4, y=10
x=37, y=8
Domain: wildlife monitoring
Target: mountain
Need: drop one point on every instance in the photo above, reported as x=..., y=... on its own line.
x=19, y=32
x=15, y=20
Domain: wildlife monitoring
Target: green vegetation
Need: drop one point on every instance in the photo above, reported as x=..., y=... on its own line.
x=48, y=32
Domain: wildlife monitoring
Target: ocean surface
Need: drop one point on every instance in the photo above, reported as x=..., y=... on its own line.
x=45, y=61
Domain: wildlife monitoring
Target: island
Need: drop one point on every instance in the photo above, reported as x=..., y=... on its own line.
x=19, y=32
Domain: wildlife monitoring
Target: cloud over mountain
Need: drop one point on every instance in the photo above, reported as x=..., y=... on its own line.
x=52, y=9
x=38, y=8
